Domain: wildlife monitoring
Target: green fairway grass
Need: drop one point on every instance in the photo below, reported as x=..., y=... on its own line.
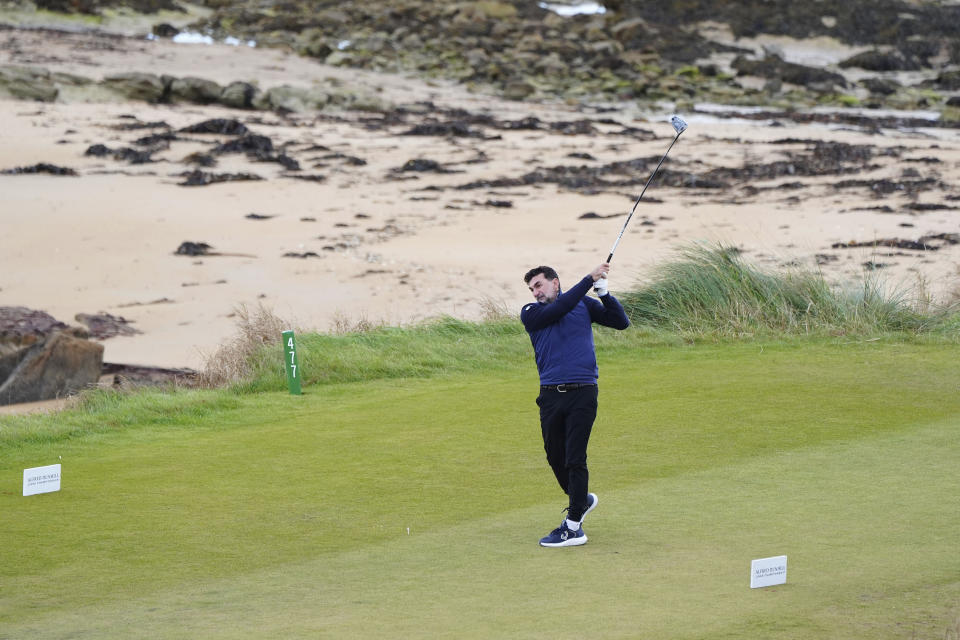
x=412, y=506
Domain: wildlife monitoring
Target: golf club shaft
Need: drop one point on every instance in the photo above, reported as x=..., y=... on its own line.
x=649, y=180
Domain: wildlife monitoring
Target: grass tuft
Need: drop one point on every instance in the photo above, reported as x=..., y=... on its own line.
x=241, y=358
x=713, y=290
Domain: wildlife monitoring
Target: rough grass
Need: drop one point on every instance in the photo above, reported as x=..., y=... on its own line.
x=411, y=506
x=253, y=360
x=235, y=360
x=104, y=411
x=704, y=294
x=712, y=289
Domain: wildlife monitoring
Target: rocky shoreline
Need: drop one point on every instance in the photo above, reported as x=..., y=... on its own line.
x=893, y=54
x=905, y=56
x=39, y=84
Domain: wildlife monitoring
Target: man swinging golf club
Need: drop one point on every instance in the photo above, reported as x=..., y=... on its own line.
x=560, y=328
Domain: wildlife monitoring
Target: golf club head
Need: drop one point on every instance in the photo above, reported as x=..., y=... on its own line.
x=679, y=125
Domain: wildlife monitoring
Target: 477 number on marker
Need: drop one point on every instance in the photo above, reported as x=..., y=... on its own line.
x=290, y=348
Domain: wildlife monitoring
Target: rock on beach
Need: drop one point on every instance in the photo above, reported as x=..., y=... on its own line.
x=42, y=358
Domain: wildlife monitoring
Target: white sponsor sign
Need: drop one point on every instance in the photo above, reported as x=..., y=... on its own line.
x=41, y=480
x=766, y=572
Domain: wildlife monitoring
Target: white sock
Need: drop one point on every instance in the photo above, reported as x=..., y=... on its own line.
x=573, y=525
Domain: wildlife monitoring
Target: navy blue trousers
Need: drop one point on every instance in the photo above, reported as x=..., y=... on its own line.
x=566, y=420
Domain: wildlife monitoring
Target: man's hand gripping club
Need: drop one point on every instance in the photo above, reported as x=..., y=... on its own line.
x=599, y=276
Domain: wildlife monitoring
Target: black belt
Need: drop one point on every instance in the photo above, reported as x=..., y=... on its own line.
x=563, y=388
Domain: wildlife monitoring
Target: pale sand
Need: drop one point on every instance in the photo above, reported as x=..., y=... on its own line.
x=105, y=241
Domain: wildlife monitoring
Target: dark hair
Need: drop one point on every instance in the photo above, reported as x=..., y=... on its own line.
x=547, y=272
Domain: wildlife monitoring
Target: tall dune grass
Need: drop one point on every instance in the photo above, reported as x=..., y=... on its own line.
x=712, y=289
x=238, y=359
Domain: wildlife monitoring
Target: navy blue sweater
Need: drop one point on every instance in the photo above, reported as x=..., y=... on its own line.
x=562, y=335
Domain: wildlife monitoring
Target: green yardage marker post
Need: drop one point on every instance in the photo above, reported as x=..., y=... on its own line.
x=291, y=364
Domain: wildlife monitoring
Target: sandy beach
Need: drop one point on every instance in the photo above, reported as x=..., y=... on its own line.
x=384, y=244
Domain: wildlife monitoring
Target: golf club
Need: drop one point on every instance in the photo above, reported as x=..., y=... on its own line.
x=679, y=126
